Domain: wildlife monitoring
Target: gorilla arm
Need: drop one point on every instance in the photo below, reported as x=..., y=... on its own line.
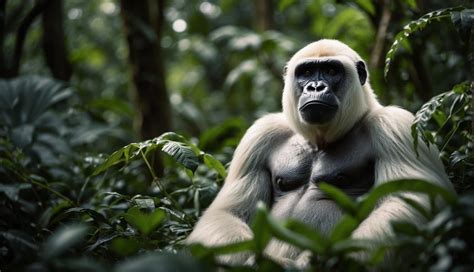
x=396, y=159
x=248, y=182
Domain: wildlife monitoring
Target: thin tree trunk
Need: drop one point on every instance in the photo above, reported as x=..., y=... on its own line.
x=54, y=42
x=377, y=51
x=471, y=78
x=3, y=18
x=264, y=15
x=143, y=21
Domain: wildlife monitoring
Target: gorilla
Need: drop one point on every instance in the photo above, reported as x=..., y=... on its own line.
x=333, y=130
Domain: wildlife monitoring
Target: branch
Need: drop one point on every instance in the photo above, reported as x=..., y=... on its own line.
x=21, y=35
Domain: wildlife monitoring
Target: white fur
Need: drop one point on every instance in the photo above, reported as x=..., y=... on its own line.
x=226, y=220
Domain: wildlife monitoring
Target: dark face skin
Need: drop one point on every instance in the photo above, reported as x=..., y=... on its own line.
x=319, y=88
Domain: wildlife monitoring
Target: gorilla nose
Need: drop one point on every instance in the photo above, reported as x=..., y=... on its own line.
x=321, y=86
x=318, y=87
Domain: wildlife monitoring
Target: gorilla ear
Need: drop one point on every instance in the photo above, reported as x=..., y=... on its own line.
x=361, y=71
x=285, y=69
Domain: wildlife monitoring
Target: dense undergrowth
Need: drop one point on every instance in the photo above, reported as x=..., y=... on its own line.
x=63, y=207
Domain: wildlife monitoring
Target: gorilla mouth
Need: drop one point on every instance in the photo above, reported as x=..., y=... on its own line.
x=317, y=103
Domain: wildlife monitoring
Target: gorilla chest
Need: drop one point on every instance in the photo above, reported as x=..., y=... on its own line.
x=297, y=168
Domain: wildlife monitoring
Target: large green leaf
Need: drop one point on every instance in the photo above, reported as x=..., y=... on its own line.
x=125, y=246
x=280, y=232
x=260, y=228
x=344, y=228
x=144, y=222
x=25, y=99
x=340, y=198
x=213, y=163
x=400, y=186
x=320, y=242
x=159, y=262
x=63, y=239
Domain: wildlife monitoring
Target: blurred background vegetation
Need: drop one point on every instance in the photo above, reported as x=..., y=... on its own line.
x=81, y=79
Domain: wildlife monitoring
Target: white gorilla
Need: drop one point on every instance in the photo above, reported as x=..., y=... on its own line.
x=332, y=129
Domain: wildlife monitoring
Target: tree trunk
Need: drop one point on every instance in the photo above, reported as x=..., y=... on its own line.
x=376, y=56
x=264, y=15
x=3, y=17
x=471, y=78
x=143, y=21
x=54, y=42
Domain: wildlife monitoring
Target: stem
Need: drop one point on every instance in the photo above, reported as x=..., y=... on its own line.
x=156, y=180
x=39, y=184
x=83, y=188
x=450, y=137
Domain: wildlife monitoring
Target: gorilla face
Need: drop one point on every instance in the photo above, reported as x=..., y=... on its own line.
x=319, y=89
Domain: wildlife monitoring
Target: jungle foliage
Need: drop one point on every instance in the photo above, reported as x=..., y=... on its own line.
x=79, y=186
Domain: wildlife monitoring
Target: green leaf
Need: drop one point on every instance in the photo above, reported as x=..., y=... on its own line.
x=399, y=186
x=411, y=3
x=19, y=241
x=347, y=246
x=12, y=191
x=414, y=26
x=182, y=154
x=236, y=247
x=284, y=4
x=52, y=211
x=27, y=98
x=97, y=217
x=429, y=109
x=124, y=246
x=282, y=233
x=172, y=144
x=367, y=5
x=244, y=68
x=344, y=228
x=118, y=106
x=407, y=228
x=22, y=135
x=417, y=206
x=144, y=203
x=159, y=262
x=144, y=222
x=340, y=198
x=213, y=163
x=82, y=264
x=227, y=133
x=320, y=242
x=262, y=234
x=116, y=158
x=63, y=239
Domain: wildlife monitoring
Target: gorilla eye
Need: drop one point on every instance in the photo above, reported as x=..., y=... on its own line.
x=307, y=73
x=332, y=72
